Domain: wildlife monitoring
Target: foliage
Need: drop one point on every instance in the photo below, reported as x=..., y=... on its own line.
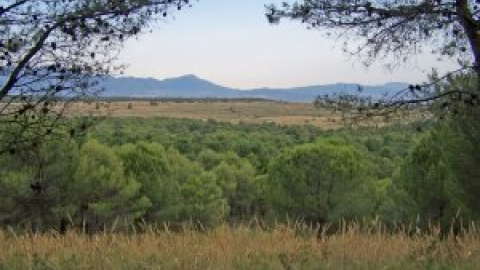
x=56, y=51
x=426, y=177
x=203, y=200
x=396, y=30
x=236, y=177
x=100, y=190
x=381, y=29
x=164, y=170
x=437, y=179
x=320, y=182
x=174, y=171
x=439, y=175
x=34, y=183
x=149, y=165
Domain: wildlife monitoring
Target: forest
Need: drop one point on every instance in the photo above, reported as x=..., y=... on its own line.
x=394, y=186
x=127, y=173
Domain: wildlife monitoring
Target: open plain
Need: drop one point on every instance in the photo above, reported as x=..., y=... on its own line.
x=257, y=112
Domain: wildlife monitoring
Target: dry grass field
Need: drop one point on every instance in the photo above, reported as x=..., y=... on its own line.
x=243, y=247
x=228, y=111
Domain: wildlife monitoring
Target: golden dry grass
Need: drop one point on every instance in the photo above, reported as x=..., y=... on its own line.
x=255, y=111
x=233, y=111
x=242, y=247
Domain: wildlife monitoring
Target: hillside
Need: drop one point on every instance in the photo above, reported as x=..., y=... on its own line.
x=190, y=86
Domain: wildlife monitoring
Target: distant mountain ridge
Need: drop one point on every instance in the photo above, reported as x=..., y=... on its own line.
x=191, y=86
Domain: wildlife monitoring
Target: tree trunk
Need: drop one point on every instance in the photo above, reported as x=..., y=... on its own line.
x=472, y=29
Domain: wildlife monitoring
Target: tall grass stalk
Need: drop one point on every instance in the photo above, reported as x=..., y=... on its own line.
x=249, y=246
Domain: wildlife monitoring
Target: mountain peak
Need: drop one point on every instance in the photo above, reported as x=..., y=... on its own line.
x=188, y=77
x=191, y=86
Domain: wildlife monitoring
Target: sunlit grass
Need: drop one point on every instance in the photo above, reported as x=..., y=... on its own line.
x=241, y=247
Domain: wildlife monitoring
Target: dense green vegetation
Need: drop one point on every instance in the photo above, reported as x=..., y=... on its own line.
x=170, y=170
x=128, y=172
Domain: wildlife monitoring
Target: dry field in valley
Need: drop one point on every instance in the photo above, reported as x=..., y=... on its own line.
x=228, y=111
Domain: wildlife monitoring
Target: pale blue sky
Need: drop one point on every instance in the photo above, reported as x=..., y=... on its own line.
x=230, y=42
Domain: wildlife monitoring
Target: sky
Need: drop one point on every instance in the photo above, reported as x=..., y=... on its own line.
x=231, y=43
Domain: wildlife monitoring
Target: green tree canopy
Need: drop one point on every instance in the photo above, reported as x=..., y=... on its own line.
x=316, y=182
x=34, y=183
x=203, y=200
x=149, y=165
x=101, y=192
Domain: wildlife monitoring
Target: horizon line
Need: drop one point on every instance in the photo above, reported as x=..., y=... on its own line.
x=255, y=88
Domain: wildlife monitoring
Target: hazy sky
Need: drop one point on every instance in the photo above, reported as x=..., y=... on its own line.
x=230, y=42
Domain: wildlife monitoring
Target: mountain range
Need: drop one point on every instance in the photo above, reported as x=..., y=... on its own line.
x=191, y=86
